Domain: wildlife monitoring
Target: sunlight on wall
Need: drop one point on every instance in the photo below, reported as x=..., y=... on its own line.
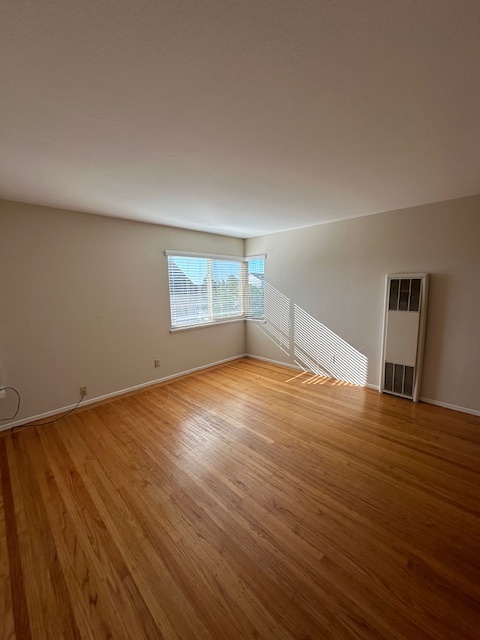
x=314, y=347
x=277, y=318
x=325, y=353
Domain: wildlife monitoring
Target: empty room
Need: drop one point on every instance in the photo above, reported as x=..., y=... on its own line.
x=239, y=320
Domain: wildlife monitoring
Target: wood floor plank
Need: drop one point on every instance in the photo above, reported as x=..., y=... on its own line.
x=11, y=517
x=248, y=501
x=7, y=622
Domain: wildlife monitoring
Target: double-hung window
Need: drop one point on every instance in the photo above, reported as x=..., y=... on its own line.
x=206, y=289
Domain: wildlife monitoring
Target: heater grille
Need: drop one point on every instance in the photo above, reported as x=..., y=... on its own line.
x=399, y=379
x=404, y=294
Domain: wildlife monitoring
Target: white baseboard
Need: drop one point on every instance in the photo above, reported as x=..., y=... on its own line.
x=121, y=392
x=279, y=362
x=453, y=407
x=373, y=386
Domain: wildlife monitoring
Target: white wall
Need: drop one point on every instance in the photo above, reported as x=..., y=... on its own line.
x=84, y=301
x=336, y=274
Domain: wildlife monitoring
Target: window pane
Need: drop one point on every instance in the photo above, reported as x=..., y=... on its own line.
x=226, y=289
x=188, y=290
x=256, y=288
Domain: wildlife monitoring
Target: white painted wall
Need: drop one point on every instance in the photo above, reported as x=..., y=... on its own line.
x=84, y=301
x=335, y=273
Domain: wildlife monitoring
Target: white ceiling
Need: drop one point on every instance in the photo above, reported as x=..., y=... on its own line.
x=241, y=117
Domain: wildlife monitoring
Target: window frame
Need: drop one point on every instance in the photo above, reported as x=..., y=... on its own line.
x=244, y=274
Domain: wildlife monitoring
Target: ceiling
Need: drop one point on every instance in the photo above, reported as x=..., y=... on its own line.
x=243, y=117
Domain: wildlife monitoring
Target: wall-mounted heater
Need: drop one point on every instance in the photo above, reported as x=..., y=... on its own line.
x=404, y=334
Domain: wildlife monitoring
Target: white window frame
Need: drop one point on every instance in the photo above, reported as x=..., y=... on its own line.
x=243, y=295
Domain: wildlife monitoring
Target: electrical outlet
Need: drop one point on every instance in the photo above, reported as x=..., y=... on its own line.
x=157, y=363
x=83, y=391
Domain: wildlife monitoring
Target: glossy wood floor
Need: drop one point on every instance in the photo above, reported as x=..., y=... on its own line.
x=243, y=502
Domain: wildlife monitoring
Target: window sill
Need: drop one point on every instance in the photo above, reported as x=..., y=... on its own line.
x=190, y=327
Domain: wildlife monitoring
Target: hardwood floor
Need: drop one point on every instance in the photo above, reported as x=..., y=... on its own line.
x=243, y=502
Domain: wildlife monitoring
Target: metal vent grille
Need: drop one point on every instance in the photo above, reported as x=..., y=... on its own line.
x=399, y=379
x=404, y=294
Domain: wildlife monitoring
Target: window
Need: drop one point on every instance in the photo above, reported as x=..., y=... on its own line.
x=208, y=289
x=255, y=288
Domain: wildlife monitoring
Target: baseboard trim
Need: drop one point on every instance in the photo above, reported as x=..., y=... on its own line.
x=453, y=407
x=121, y=393
x=278, y=362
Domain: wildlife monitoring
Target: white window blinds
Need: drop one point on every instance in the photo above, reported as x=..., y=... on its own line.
x=254, y=289
x=205, y=290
